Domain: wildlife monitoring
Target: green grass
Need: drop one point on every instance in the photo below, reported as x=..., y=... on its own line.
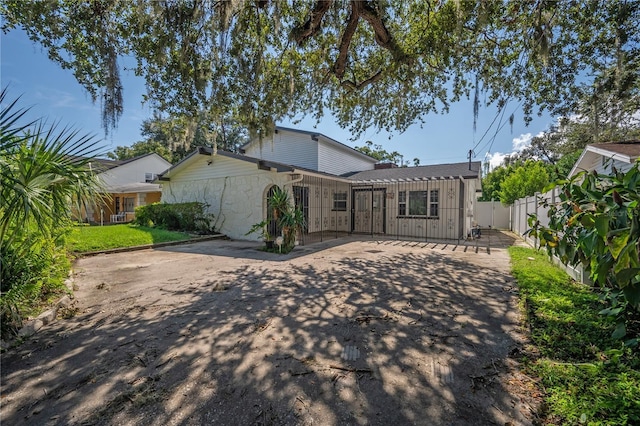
x=588, y=377
x=95, y=238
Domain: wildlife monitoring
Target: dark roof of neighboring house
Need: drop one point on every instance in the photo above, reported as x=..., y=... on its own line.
x=433, y=171
x=629, y=149
x=104, y=164
x=97, y=164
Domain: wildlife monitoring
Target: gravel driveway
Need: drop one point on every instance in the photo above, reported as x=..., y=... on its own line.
x=349, y=332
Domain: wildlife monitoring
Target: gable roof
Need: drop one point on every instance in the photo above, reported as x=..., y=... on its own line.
x=465, y=170
x=101, y=165
x=205, y=150
x=316, y=136
x=626, y=152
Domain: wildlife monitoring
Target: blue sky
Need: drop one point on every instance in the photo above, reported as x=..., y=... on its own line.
x=53, y=92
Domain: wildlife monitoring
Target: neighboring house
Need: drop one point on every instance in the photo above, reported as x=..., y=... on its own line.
x=603, y=157
x=128, y=184
x=340, y=190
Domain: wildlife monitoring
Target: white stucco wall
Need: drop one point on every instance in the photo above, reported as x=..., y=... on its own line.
x=235, y=191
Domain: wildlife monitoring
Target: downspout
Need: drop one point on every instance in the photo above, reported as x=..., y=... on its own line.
x=294, y=180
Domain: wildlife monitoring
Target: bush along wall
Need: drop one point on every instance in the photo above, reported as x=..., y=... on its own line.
x=187, y=217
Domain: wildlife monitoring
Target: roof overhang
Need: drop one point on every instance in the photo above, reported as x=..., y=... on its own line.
x=600, y=150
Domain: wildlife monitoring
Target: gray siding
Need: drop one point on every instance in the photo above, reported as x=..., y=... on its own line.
x=287, y=148
x=339, y=160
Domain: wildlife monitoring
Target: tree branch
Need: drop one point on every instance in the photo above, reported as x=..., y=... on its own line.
x=341, y=62
x=353, y=85
x=310, y=28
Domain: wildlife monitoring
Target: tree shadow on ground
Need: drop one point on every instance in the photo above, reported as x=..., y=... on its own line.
x=382, y=337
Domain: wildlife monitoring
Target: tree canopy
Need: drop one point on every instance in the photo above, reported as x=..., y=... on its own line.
x=373, y=64
x=174, y=138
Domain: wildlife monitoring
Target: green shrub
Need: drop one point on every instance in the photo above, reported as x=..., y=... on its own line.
x=588, y=376
x=33, y=270
x=189, y=217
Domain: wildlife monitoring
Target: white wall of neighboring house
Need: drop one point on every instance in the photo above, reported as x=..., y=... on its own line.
x=235, y=191
x=134, y=171
x=287, y=148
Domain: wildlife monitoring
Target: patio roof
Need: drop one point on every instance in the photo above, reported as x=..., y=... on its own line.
x=464, y=170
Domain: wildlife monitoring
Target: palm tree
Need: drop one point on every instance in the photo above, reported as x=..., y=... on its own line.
x=43, y=170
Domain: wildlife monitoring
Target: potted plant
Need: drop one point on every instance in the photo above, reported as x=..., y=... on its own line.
x=292, y=222
x=278, y=202
x=262, y=229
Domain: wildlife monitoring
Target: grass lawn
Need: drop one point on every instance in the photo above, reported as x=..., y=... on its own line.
x=588, y=377
x=94, y=238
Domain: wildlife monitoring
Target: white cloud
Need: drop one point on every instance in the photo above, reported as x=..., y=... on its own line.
x=521, y=142
x=518, y=144
x=494, y=159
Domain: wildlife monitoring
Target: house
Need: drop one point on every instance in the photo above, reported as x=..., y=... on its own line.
x=340, y=190
x=129, y=184
x=603, y=157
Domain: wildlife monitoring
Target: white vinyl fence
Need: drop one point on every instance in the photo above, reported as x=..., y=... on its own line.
x=520, y=212
x=492, y=214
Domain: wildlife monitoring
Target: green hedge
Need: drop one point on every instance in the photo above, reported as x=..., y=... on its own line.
x=33, y=269
x=187, y=217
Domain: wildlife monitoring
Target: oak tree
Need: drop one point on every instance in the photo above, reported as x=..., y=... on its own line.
x=373, y=64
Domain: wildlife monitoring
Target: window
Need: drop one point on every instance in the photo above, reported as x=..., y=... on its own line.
x=434, y=202
x=340, y=201
x=417, y=203
x=128, y=204
x=149, y=177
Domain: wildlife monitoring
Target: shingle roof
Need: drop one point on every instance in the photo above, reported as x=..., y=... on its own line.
x=629, y=149
x=419, y=172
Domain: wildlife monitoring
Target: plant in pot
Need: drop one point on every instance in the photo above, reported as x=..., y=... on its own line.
x=262, y=229
x=278, y=202
x=292, y=222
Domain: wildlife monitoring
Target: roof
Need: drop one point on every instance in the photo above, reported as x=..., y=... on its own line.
x=317, y=135
x=103, y=164
x=626, y=152
x=205, y=150
x=97, y=164
x=454, y=170
x=465, y=170
x=137, y=187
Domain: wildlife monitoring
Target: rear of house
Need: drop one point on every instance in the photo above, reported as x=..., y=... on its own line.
x=351, y=194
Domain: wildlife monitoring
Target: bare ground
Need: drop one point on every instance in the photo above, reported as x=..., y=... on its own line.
x=348, y=332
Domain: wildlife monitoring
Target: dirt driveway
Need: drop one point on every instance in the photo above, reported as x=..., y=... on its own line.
x=356, y=332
